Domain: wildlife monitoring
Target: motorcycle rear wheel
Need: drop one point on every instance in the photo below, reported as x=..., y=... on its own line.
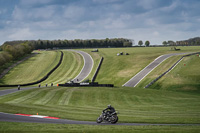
x=114, y=119
x=99, y=120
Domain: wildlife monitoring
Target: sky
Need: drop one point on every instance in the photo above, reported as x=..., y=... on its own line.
x=152, y=20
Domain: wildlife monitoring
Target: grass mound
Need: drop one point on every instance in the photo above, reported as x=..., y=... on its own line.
x=134, y=105
x=38, y=66
x=32, y=69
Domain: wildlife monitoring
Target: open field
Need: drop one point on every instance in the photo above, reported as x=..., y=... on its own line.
x=119, y=69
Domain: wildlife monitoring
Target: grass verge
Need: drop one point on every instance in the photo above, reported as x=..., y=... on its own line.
x=8, y=127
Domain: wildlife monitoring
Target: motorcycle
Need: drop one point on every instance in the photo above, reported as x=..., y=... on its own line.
x=112, y=118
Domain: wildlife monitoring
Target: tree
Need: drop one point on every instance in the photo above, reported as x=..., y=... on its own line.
x=140, y=43
x=147, y=43
x=164, y=43
x=127, y=44
x=5, y=57
x=171, y=43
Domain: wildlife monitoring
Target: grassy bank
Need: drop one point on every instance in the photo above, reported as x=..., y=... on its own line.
x=38, y=66
x=8, y=127
x=32, y=69
x=70, y=67
x=118, y=70
x=184, y=77
x=134, y=104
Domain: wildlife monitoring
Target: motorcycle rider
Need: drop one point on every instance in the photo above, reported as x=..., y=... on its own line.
x=109, y=110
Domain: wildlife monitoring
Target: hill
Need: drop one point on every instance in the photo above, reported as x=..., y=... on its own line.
x=119, y=69
x=138, y=105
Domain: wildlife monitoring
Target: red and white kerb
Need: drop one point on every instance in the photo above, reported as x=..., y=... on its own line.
x=39, y=116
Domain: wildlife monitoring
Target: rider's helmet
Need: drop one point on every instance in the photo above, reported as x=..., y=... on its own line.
x=109, y=106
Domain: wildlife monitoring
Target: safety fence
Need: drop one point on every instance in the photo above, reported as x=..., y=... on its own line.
x=92, y=84
x=98, y=68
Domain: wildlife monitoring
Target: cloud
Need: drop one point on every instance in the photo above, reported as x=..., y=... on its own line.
x=21, y=34
x=153, y=20
x=147, y=4
x=34, y=3
x=34, y=14
x=73, y=12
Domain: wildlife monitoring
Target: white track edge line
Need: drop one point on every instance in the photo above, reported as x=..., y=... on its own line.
x=142, y=70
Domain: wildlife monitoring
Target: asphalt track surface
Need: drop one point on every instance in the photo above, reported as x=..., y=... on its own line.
x=143, y=73
x=6, y=117
x=87, y=68
x=17, y=118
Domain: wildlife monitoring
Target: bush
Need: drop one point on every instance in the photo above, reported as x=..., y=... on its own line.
x=5, y=57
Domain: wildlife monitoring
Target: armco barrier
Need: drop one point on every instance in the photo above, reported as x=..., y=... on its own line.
x=92, y=84
x=44, y=78
x=152, y=82
x=98, y=68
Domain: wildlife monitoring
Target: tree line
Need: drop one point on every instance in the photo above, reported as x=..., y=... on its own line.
x=77, y=43
x=189, y=42
x=13, y=52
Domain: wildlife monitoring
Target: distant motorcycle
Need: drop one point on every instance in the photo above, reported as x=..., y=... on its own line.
x=112, y=118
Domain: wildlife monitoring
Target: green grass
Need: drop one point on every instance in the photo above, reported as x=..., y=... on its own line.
x=134, y=104
x=70, y=67
x=96, y=58
x=38, y=66
x=164, y=66
x=118, y=70
x=8, y=127
x=182, y=78
x=32, y=69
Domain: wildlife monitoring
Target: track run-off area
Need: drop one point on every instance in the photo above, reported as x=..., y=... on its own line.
x=88, y=64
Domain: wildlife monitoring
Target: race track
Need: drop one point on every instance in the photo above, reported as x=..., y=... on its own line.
x=87, y=68
x=17, y=118
x=88, y=64
x=143, y=73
